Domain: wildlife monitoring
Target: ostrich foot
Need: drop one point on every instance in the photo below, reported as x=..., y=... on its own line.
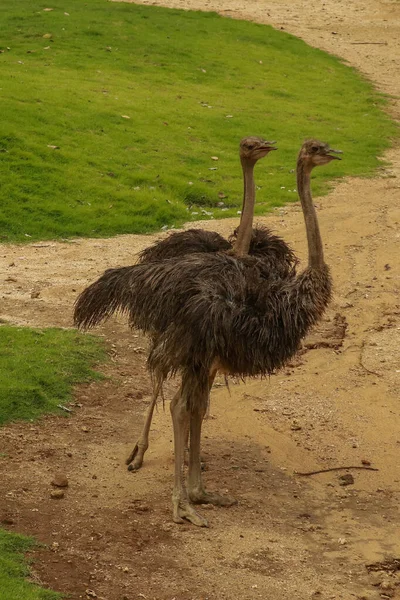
x=184, y=511
x=135, y=459
x=203, y=497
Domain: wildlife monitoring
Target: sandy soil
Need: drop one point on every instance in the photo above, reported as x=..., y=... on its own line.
x=290, y=537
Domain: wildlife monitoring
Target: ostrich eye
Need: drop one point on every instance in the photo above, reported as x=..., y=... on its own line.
x=250, y=146
x=314, y=148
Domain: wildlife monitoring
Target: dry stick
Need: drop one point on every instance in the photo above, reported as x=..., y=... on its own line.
x=362, y=364
x=335, y=469
x=374, y=43
x=64, y=408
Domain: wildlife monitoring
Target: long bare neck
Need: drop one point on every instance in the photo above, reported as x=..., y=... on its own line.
x=315, y=249
x=245, y=229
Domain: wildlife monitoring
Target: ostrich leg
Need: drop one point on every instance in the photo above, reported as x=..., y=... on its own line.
x=197, y=493
x=182, y=509
x=135, y=459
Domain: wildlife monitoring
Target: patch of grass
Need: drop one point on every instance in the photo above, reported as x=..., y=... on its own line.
x=192, y=84
x=39, y=367
x=14, y=570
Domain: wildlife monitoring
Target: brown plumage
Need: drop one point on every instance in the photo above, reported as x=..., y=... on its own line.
x=212, y=311
x=208, y=306
x=276, y=253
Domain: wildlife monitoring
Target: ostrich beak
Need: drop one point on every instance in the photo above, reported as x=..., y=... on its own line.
x=334, y=152
x=268, y=146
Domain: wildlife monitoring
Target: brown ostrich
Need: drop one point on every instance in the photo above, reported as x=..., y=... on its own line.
x=276, y=254
x=211, y=312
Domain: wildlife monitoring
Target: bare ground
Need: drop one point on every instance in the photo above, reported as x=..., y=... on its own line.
x=290, y=537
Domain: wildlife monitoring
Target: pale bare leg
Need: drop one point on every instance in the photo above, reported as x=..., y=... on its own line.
x=135, y=459
x=182, y=509
x=197, y=493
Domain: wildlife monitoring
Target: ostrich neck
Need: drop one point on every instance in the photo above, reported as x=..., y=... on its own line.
x=245, y=229
x=315, y=249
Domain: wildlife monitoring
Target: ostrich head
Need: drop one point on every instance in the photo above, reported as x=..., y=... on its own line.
x=314, y=153
x=253, y=148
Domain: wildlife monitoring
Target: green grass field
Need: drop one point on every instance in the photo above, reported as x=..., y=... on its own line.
x=37, y=371
x=192, y=84
x=39, y=367
x=13, y=570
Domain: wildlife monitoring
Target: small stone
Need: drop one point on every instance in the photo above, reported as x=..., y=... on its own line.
x=57, y=494
x=346, y=479
x=142, y=508
x=85, y=429
x=60, y=480
x=6, y=520
x=376, y=578
x=90, y=594
x=295, y=426
x=366, y=462
x=386, y=584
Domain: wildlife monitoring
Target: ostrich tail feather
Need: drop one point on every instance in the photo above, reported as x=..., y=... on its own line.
x=110, y=293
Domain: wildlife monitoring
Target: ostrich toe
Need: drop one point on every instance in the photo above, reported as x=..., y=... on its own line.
x=203, y=497
x=184, y=511
x=135, y=459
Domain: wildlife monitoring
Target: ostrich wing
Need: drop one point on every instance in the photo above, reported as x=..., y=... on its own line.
x=274, y=251
x=209, y=306
x=179, y=243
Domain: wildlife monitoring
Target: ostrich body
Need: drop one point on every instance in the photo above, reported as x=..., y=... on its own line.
x=276, y=254
x=215, y=311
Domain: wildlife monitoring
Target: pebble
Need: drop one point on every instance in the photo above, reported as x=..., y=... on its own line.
x=60, y=480
x=376, y=578
x=386, y=584
x=57, y=494
x=346, y=479
x=6, y=520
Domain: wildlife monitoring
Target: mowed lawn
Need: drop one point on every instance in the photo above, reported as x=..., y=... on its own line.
x=38, y=369
x=112, y=114
x=14, y=570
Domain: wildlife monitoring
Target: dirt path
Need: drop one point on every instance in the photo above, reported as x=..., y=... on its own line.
x=290, y=537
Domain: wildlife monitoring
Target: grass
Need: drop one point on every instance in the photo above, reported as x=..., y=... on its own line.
x=39, y=367
x=14, y=570
x=37, y=371
x=192, y=84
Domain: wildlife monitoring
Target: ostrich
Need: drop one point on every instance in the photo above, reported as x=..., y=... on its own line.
x=211, y=312
x=277, y=255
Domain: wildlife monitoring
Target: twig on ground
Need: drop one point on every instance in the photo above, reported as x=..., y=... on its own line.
x=64, y=408
x=363, y=468
x=373, y=43
x=362, y=364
